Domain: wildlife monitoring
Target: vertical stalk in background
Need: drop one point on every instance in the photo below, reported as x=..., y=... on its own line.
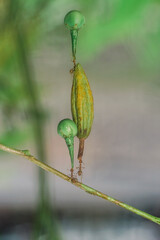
x=35, y=109
x=45, y=224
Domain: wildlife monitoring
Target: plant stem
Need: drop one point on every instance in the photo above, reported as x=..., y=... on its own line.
x=45, y=221
x=80, y=155
x=35, y=108
x=26, y=154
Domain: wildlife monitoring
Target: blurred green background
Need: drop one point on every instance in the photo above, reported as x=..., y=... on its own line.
x=119, y=49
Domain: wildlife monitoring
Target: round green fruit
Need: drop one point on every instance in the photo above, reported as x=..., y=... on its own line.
x=67, y=128
x=74, y=20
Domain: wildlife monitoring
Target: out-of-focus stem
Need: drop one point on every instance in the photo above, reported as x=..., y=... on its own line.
x=26, y=154
x=35, y=108
x=45, y=222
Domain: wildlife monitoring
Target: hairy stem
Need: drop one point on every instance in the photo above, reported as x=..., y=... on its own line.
x=26, y=154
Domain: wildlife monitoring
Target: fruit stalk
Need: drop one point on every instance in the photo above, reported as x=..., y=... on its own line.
x=74, y=36
x=80, y=155
x=70, y=145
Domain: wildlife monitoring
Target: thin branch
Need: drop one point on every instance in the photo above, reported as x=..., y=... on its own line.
x=26, y=154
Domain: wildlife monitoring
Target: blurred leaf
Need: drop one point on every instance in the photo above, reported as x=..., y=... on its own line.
x=103, y=30
x=16, y=136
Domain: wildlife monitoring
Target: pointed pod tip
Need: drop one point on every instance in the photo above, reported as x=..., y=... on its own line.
x=78, y=68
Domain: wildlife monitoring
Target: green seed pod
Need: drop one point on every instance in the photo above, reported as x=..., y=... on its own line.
x=74, y=21
x=82, y=108
x=68, y=130
x=82, y=103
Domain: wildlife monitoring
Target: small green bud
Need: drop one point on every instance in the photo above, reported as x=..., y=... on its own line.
x=68, y=130
x=26, y=152
x=74, y=20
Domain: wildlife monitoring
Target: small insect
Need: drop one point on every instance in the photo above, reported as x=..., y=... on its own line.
x=74, y=21
x=68, y=130
x=71, y=70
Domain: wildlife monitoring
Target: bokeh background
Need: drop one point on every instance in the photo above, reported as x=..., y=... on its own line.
x=119, y=49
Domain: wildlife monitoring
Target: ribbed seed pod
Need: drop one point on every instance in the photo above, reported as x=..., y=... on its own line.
x=82, y=107
x=82, y=102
